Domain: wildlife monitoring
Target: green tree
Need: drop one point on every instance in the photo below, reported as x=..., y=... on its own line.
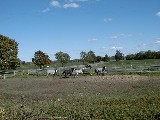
x=119, y=56
x=157, y=54
x=62, y=57
x=106, y=58
x=41, y=59
x=99, y=58
x=91, y=57
x=83, y=56
x=140, y=56
x=130, y=57
x=8, y=53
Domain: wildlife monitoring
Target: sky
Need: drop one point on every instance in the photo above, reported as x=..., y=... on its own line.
x=73, y=26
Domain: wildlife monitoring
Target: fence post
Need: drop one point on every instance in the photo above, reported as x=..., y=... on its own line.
x=14, y=73
x=22, y=72
x=4, y=76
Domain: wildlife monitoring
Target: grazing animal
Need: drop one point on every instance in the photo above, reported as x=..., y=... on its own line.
x=68, y=72
x=32, y=72
x=87, y=70
x=51, y=72
x=99, y=71
x=76, y=72
x=88, y=66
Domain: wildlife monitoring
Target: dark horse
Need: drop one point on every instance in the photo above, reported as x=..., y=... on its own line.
x=67, y=72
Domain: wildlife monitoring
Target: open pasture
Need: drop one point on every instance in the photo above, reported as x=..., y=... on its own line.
x=85, y=97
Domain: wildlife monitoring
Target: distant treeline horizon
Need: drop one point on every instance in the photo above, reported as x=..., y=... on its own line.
x=142, y=55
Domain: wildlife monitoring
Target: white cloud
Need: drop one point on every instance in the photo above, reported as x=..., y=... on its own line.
x=116, y=48
x=107, y=20
x=46, y=10
x=104, y=48
x=55, y=3
x=92, y=40
x=120, y=35
x=77, y=0
x=64, y=4
x=158, y=14
x=157, y=42
x=71, y=5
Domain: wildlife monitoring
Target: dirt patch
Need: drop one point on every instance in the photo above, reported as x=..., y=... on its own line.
x=49, y=87
x=119, y=78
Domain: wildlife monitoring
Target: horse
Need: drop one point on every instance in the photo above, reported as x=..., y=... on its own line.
x=67, y=72
x=51, y=72
x=88, y=66
x=87, y=69
x=102, y=70
x=76, y=72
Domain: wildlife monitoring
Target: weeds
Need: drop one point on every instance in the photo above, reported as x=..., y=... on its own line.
x=145, y=107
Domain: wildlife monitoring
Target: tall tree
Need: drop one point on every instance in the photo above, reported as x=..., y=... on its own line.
x=83, y=56
x=91, y=57
x=8, y=53
x=119, y=56
x=62, y=57
x=41, y=59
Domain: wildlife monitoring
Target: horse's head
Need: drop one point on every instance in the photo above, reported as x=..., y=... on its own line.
x=104, y=68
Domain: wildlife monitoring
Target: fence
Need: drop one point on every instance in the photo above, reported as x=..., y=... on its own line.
x=111, y=69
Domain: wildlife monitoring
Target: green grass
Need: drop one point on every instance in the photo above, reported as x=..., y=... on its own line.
x=86, y=98
x=135, y=63
x=89, y=97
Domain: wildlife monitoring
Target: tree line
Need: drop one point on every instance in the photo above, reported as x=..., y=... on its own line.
x=9, y=56
x=41, y=59
x=144, y=55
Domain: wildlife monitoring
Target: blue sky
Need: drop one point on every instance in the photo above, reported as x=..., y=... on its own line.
x=73, y=26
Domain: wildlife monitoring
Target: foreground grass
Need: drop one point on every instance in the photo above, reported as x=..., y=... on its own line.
x=82, y=98
x=144, y=107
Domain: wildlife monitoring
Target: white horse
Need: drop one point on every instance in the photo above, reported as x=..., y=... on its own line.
x=51, y=72
x=99, y=71
x=76, y=72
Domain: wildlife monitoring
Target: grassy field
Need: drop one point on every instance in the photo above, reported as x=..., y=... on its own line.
x=111, y=97
x=120, y=95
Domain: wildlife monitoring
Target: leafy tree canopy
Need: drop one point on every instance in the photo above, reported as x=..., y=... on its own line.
x=41, y=59
x=91, y=57
x=144, y=55
x=119, y=56
x=99, y=58
x=106, y=58
x=62, y=57
x=8, y=53
x=83, y=56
